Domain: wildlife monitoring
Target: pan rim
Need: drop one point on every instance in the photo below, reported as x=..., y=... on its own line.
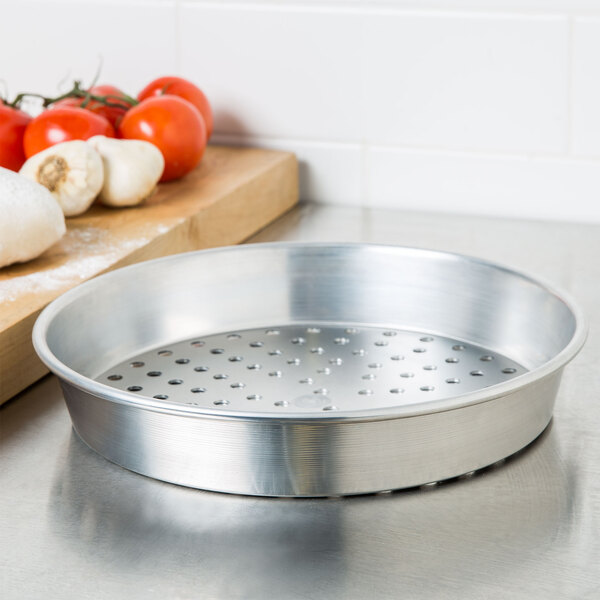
x=482, y=395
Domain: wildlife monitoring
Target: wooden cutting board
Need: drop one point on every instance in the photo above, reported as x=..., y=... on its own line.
x=233, y=193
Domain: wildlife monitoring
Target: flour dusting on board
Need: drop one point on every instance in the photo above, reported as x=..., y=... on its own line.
x=90, y=251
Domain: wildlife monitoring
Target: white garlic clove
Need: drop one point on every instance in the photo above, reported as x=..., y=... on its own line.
x=72, y=171
x=132, y=169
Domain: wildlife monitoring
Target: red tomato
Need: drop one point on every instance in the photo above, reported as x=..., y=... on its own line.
x=13, y=123
x=183, y=88
x=62, y=125
x=112, y=113
x=174, y=126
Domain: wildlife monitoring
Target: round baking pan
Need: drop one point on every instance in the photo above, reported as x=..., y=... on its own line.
x=309, y=369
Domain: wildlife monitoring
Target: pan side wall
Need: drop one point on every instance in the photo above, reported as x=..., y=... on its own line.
x=326, y=458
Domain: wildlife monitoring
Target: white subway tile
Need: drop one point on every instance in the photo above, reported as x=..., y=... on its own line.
x=487, y=82
x=271, y=72
x=46, y=43
x=537, y=188
x=586, y=86
x=329, y=173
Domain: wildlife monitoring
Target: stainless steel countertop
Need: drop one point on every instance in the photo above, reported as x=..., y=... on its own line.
x=74, y=525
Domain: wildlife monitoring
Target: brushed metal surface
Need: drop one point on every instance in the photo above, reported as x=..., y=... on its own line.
x=363, y=442
x=76, y=526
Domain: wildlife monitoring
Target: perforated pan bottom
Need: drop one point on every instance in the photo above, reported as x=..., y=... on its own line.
x=308, y=368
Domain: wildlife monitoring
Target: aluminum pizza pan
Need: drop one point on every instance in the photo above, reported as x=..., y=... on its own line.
x=291, y=369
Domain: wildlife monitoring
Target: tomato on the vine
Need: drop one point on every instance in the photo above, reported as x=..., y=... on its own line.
x=113, y=114
x=174, y=126
x=62, y=125
x=177, y=86
x=13, y=123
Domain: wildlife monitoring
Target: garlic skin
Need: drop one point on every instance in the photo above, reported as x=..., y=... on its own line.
x=72, y=171
x=132, y=169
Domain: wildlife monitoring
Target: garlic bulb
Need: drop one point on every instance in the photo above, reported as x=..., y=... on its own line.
x=132, y=169
x=72, y=171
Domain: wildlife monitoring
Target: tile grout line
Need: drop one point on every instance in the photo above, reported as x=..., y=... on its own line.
x=570, y=83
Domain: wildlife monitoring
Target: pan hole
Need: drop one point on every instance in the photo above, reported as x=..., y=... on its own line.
x=381, y=343
x=321, y=391
x=351, y=330
x=407, y=375
x=375, y=365
x=175, y=381
x=452, y=360
x=217, y=351
x=336, y=361
x=390, y=333
x=234, y=336
x=317, y=350
x=487, y=358
x=419, y=350
x=236, y=358
x=238, y=385
x=161, y=396
x=427, y=388
x=330, y=407
x=341, y=341
x=298, y=341
x=453, y=380
x=115, y=377
x=254, y=367
x=275, y=353
x=396, y=391
x=458, y=347
x=256, y=344
x=429, y=368
x=306, y=380
x=293, y=361
x=282, y=403
x=369, y=376
x=365, y=392
x=134, y=388
x=219, y=376
x=254, y=397
x=198, y=390
x=324, y=371
x=197, y=343
x=397, y=357
x=275, y=374
x=221, y=402
x=313, y=330
x=164, y=353
x=201, y=369
x=182, y=361
x=136, y=364
x=359, y=352
x=477, y=373
x=272, y=331
x=154, y=373
x=426, y=338
x=509, y=370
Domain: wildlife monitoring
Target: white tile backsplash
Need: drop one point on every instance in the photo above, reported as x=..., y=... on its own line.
x=483, y=106
x=586, y=86
x=504, y=186
x=45, y=43
x=466, y=82
x=285, y=73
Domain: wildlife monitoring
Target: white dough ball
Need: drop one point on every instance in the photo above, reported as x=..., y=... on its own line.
x=31, y=220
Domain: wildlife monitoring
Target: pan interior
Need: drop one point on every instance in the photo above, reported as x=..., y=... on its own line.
x=310, y=368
